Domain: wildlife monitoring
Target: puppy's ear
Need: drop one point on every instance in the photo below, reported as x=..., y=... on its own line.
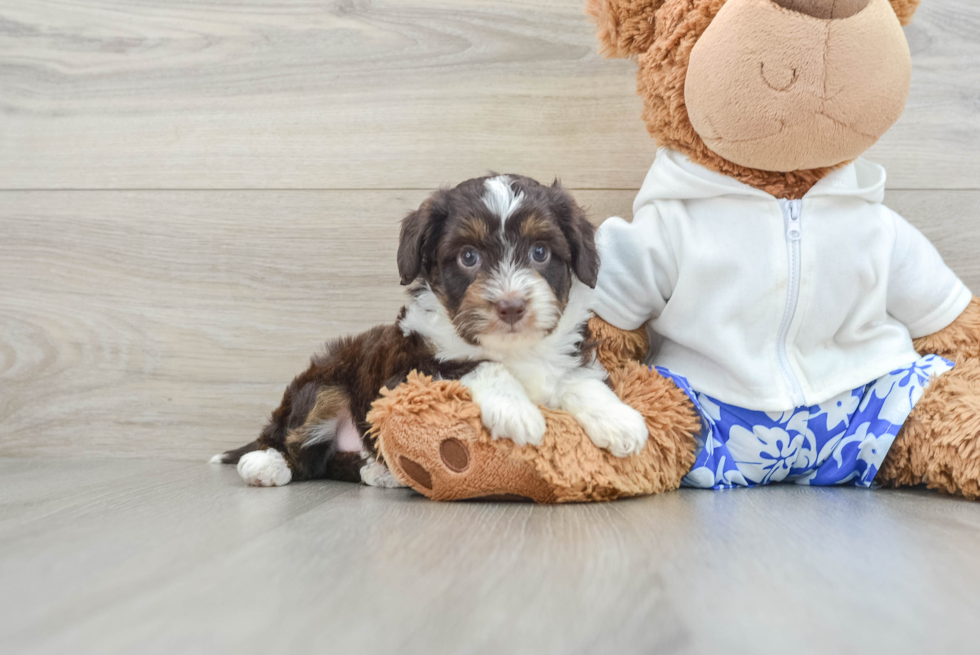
x=579, y=233
x=411, y=242
x=419, y=235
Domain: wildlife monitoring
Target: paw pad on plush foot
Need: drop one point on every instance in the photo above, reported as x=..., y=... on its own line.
x=416, y=471
x=455, y=455
x=264, y=468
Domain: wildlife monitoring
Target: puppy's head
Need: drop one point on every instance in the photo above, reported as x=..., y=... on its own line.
x=501, y=253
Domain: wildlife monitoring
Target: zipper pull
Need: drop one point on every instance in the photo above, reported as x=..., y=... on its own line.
x=794, y=229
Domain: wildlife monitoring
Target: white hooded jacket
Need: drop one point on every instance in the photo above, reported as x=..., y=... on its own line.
x=771, y=304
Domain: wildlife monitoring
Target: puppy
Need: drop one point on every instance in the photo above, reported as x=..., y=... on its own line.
x=499, y=271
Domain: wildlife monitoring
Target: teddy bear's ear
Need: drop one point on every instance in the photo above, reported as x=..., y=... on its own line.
x=625, y=27
x=905, y=9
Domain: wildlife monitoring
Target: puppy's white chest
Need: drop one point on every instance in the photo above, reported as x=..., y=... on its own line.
x=539, y=380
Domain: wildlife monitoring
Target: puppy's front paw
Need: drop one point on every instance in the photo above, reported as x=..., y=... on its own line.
x=518, y=420
x=264, y=468
x=620, y=429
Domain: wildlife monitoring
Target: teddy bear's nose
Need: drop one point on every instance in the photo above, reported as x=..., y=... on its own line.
x=828, y=9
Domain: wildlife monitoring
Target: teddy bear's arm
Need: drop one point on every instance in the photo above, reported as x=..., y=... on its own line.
x=616, y=348
x=957, y=341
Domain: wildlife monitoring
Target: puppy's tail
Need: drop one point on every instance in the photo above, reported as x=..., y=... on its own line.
x=232, y=456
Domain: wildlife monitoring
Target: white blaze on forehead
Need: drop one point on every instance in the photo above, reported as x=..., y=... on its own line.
x=500, y=198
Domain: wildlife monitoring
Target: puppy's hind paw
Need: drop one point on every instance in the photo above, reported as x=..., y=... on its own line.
x=376, y=474
x=264, y=468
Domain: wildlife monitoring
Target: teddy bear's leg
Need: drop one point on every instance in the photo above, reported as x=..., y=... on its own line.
x=939, y=445
x=431, y=437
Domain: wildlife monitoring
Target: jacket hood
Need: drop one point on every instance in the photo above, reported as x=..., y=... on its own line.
x=674, y=177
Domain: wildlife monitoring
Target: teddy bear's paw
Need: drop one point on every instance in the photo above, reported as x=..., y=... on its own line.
x=518, y=420
x=620, y=429
x=264, y=468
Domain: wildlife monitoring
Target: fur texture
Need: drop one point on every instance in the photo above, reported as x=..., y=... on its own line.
x=318, y=424
x=421, y=421
x=939, y=445
x=507, y=241
x=616, y=348
x=625, y=28
x=499, y=270
x=959, y=340
x=417, y=420
x=905, y=10
x=264, y=468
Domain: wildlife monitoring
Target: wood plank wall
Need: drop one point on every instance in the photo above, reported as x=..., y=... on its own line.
x=194, y=194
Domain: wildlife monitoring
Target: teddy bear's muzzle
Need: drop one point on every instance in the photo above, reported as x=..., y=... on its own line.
x=789, y=85
x=826, y=9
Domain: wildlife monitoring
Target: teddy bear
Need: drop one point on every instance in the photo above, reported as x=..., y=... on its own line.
x=764, y=311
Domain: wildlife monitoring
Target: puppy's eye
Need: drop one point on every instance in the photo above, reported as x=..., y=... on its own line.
x=540, y=253
x=469, y=258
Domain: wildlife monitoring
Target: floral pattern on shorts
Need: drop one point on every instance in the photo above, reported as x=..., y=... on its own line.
x=843, y=440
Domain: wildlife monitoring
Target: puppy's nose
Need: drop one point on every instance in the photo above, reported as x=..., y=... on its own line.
x=511, y=310
x=828, y=9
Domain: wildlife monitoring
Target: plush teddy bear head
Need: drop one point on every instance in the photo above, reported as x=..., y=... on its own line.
x=775, y=93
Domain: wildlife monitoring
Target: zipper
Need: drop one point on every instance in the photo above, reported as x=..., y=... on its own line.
x=792, y=210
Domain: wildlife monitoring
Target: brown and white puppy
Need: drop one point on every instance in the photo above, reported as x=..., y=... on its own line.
x=499, y=272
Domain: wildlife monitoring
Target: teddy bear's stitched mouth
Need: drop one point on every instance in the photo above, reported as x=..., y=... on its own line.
x=793, y=79
x=844, y=125
x=717, y=137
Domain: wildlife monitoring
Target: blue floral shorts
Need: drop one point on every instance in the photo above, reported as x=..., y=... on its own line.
x=843, y=440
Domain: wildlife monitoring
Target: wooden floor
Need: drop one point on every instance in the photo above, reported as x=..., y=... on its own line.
x=112, y=556
x=115, y=556
x=194, y=194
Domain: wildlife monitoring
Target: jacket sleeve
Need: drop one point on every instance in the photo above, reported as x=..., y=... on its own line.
x=923, y=293
x=638, y=270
